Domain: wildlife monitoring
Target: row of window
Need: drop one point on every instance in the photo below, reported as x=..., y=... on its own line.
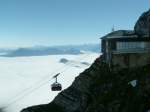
x=132, y=45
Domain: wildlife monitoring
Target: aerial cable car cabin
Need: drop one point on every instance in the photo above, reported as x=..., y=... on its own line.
x=125, y=49
x=56, y=86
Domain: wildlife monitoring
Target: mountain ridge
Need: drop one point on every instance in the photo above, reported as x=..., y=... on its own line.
x=52, y=50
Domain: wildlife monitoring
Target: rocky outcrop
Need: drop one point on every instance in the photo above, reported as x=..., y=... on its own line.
x=142, y=26
x=99, y=89
x=2, y=109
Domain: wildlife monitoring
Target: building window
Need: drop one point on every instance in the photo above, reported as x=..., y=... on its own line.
x=130, y=45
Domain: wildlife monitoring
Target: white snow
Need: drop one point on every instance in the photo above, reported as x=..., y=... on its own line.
x=25, y=81
x=133, y=83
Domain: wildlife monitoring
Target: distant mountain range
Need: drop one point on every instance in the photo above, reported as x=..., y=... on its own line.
x=49, y=50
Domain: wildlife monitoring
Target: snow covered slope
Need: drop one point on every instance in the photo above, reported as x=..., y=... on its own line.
x=25, y=81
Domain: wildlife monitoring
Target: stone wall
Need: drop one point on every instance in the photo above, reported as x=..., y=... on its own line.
x=131, y=60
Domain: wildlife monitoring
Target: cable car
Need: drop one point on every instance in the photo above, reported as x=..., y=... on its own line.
x=56, y=86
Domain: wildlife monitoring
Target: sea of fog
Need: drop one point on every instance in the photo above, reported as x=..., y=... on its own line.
x=26, y=81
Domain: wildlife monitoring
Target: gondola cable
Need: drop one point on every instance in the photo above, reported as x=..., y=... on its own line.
x=18, y=98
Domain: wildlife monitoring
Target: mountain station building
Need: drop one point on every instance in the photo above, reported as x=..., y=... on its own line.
x=125, y=49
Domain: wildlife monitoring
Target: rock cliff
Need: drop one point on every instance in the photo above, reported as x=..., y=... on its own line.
x=99, y=89
x=142, y=26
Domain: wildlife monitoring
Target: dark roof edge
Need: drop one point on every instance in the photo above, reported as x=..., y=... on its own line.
x=119, y=33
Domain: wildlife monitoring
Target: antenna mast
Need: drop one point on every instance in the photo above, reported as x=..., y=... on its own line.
x=113, y=29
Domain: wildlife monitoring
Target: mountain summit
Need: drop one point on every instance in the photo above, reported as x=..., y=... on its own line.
x=101, y=89
x=142, y=26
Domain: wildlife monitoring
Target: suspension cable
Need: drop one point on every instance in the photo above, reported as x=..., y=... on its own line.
x=40, y=83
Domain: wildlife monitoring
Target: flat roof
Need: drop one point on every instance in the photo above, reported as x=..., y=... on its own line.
x=122, y=34
x=132, y=36
x=119, y=33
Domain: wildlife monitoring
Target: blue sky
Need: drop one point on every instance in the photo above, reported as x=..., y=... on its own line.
x=59, y=22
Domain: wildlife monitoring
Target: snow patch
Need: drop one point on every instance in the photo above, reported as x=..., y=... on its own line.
x=133, y=83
